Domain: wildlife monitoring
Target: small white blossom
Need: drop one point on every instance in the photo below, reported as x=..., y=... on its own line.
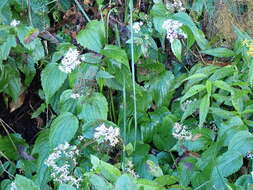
x=181, y=132
x=249, y=155
x=173, y=29
x=176, y=6
x=137, y=26
x=75, y=95
x=105, y=134
x=15, y=23
x=70, y=61
x=80, y=138
x=130, y=169
x=61, y=161
x=13, y=186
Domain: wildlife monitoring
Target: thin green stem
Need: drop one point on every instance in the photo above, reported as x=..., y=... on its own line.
x=124, y=122
x=29, y=12
x=83, y=12
x=133, y=71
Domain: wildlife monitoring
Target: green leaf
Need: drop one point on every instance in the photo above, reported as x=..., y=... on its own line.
x=198, y=34
x=219, y=52
x=176, y=47
x=92, y=107
x=196, y=76
x=6, y=47
x=93, y=36
x=63, y=129
x=116, y=53
x=66, y=187
x=223, y=85
x=161, y=88
x=124, y=182
x=23, y=183
x=228, y=163
x=203, y=109
x=52, y=79
x=110, y=172
x=192, y=91
x=241, y=142
x=99, y=182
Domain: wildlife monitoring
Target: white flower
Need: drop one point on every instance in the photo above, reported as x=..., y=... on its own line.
x=75, y=95
x=13, y=186
x=178, y=5
x=249, y=155
x=130, y=169
x=61, y=161
x=137, y=26
x=15, y=23
x=181, y=132
x=173, y=29
x=70, y=61
x=104, y=134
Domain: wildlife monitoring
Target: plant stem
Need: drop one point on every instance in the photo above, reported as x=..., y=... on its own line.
x=81, y=9
x=133, y=71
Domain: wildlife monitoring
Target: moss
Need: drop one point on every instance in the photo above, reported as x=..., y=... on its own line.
x=226, y=14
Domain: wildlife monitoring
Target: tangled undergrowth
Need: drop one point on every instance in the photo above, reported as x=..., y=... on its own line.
x=122, y=95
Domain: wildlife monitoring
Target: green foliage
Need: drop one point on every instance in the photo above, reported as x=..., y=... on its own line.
x=179, y=125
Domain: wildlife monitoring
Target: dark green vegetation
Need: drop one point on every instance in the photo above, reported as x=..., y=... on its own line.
x=104, y=95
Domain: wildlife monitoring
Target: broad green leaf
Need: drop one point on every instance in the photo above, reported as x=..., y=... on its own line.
x=198, y=34
x=124, y=182
x=161, y=88
x=228, y=163
x=109, y=171
x=203, y=109
x=223, y=72
x=176, y=47
x=219, y=52
x=6, y=47
x=66, y=187
x=241, y=142
x=92, y=108
x=93, y=36
x=223, y=85
x=209, y=87
x=196, y=76
x=116, y=53
x=52, y=79
x=63, y=129
x=23, y=183
x=192, y=91
x=99, y=182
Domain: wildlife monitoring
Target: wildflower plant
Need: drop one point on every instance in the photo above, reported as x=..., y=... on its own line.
x=62, y=162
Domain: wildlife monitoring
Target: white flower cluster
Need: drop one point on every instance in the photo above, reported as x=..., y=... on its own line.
x=70, y=61
x=249, y=155
x=15, y=23
x=137, y=26
x=130, y=169
x=181, y=132
x=13, y=186
x=104, y=134
x=178, y=5
x=75, y=95
x=187, y=103
x=61, y=160
x=173, y=29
